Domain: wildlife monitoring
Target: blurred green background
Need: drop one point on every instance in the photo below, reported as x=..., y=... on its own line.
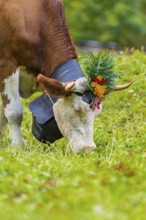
x=120, y=21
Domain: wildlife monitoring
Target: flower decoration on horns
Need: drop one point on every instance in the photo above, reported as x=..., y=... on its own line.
x=99, y=72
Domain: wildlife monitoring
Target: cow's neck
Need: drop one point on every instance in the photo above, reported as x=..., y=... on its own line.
x=56, y=43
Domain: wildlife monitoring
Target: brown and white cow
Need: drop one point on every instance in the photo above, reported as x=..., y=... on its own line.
x=34, y=34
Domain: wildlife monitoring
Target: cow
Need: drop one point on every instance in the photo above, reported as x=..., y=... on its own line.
x=34, y=35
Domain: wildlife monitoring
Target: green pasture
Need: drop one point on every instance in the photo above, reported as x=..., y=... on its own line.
x=51, y=183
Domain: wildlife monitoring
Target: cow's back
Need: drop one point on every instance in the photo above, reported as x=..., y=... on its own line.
x=19, y=20
x=34, y=34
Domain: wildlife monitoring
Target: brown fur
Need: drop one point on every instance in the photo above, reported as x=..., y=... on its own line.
x=6, y=100
x=52, y=86
x=33, y=34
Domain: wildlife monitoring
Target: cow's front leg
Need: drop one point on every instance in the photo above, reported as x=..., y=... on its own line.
x=3, y=121
x=13, y=107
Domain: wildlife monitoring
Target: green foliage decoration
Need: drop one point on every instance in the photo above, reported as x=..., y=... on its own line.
x=99, y=70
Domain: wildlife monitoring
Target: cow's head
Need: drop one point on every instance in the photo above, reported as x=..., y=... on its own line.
x=74, y=115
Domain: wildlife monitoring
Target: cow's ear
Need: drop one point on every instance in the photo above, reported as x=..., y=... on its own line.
x=52, y=86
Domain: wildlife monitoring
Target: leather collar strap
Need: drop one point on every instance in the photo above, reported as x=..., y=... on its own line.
x=87, y=96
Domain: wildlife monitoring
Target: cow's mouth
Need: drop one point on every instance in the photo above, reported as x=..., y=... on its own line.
x=82, y=148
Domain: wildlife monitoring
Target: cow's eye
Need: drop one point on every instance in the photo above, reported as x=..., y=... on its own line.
x=77, y=110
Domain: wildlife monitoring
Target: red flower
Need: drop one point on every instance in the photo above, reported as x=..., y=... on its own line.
x=95, y=80
x=103, y=81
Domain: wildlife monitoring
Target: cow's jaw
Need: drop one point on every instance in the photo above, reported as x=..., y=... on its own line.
x=75, y=120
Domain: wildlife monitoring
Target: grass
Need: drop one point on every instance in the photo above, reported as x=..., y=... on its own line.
x=40, y=182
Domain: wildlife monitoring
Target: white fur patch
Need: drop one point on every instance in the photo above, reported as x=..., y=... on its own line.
x=75, y=120
x=13, y=110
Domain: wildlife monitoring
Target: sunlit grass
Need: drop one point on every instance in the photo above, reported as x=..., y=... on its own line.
x=41, y=182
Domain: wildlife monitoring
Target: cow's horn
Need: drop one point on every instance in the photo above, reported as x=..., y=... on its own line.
x=69, y=86
x=121, y=87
